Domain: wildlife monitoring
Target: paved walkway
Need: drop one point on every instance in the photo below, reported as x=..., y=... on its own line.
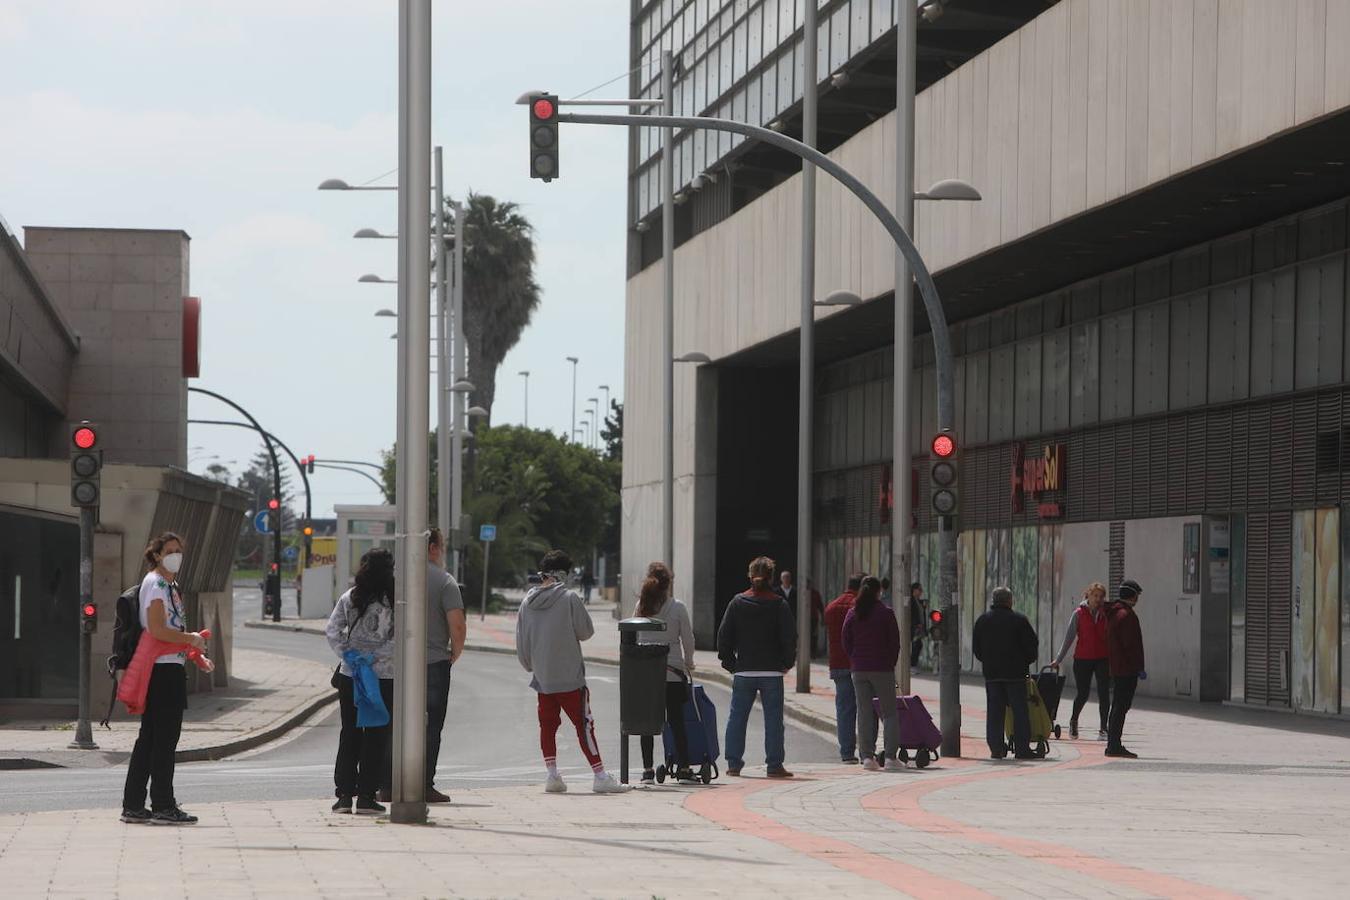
x=268, y=694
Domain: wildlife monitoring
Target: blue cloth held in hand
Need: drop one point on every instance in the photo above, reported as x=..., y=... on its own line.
x=370, y=709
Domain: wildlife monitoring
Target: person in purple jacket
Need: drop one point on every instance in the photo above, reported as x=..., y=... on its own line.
x=872, y=642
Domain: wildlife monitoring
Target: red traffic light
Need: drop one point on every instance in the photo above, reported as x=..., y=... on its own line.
x=84, y=437
x=544, y=109
x=89, y=610
x=935, y=617
x=943, y=446
x=273, y=503
x=275, y=566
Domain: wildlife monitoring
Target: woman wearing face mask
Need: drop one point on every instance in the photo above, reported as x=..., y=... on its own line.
x=166, y=697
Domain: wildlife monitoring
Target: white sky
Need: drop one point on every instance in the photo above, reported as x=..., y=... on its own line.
x=221, y=117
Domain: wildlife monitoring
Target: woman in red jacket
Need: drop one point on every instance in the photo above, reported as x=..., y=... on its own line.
x=1087, y=626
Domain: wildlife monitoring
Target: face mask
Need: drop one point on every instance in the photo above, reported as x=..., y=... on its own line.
x=172, y=563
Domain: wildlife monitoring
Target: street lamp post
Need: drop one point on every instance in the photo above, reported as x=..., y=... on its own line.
x=525, y=373
x=668, y=312
x=444, y=376
x=572, y=433
x=459, y=365
x=595, y=409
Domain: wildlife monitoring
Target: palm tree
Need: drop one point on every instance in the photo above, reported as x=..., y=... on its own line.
x=500, y=293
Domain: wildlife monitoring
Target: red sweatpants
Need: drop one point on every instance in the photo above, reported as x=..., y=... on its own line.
x=577, y=705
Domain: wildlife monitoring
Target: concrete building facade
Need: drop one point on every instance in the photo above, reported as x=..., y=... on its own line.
x=1148, y=308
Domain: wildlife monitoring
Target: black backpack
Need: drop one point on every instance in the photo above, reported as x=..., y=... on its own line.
x=126, y=634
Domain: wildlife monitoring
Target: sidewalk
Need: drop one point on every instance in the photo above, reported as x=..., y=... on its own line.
x=268, y=695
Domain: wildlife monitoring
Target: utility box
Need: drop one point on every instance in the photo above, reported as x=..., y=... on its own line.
x=642, y=678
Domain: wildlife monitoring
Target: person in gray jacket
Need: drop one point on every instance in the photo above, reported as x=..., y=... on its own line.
x=655, y=601
x=550, y=627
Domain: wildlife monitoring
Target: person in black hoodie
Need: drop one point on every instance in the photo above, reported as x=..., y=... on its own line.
x=757, y=643
x=1005, y=643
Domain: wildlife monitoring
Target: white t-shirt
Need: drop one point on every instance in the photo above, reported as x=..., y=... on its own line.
x=154, y=587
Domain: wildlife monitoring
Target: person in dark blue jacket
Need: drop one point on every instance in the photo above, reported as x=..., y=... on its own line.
x=1005, y=644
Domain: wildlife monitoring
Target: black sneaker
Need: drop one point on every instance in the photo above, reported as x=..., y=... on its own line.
x=849, y=760
x=648, y=776
x=366, y=806
x=685, y=775
x=1121, y=753
x=435, y=796
x=1073, y=728
x=136, y=816
x=172, y=816
x=343, y=806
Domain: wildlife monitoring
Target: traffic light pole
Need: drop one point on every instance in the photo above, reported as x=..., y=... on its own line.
x=84, y=732
x=950, y=676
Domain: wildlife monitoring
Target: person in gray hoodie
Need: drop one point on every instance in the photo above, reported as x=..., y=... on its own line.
x=550, y=627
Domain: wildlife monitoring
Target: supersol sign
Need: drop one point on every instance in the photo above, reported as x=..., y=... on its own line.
x=1038, y=476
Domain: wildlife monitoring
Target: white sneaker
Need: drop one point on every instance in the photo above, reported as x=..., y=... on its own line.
x=1101, y=735
x=870, y=763
x=555, y=785
x=894, y=765
x=605, y=784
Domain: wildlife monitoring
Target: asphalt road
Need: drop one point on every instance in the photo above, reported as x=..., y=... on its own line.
x=490, y=738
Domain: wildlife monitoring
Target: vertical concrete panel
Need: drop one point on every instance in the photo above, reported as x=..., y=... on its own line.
x=1160, y=87
x=1336, y=38
x=1097, y=109
x=984, y=214
x=1305, y=607
x=1046, y=584
x=1230, y=62
x=1007, y=76
x=1117, y=89
x=1056, y=26
x=1074, y=109
x=1310, y=52
x=1029, y=104
x=1326, y=686
x=1137, y=93
x=1204, y=78
x=1180, y=73
x=1154, y=558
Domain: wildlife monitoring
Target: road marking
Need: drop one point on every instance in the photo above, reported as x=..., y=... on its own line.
x=726, y=807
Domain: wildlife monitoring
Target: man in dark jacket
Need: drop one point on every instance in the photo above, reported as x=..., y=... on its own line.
x=1005, y=643
x=757, y=643
x=1125, y=649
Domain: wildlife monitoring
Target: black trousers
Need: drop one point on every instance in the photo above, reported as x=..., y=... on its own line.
x=999, y=697
x=915, y=650
x=361, y=751
x=1122, y=697
x=1084, y=670
x=161, y=724
x=438, y=700
x=676, y=693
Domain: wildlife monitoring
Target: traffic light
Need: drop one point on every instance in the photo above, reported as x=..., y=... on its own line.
x=544, y=137
x=308, y=531
x=943, y=475
x=935, y=630
x=88, y=618
x=309, y=464
x=86, y=462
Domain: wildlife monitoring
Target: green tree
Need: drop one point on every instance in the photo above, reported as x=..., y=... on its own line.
x=500, y=293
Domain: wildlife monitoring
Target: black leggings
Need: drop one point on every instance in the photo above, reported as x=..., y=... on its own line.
x=1083, y=672
x=152, y=757
x=676, y=693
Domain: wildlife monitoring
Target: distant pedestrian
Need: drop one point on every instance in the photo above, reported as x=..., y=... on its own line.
x=550, y=627
x=587, y=585
x=152, y=757
x=757, y=643
x=817, y=613
x=841, y=670
x=446, y=630
x=918, y=623
x=1005, y=643
x=655, y=601
x=1125, y=647
x=1087, y=627
x=787, y=589
x=872, y=641
x=886, y=599
x=361, y=629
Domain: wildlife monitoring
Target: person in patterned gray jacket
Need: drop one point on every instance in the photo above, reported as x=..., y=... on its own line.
x=363, y=620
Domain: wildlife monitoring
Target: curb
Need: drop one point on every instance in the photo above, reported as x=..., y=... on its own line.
x=282, y=626
x=257, y=738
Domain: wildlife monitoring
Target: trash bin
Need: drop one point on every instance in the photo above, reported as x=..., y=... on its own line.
x=642, y=678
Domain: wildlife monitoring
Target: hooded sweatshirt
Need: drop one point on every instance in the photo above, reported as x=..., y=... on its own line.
x=549, y=630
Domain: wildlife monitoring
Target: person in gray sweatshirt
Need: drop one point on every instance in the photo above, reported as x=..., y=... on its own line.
x=550, y=627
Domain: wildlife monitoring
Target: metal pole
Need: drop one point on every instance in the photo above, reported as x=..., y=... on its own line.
x=460, y=366
x=527, y=398
x=806, y=361
x=84, y=732
x=901, y=464
x=443, y=364
x=482, y=605
x=414, y=196
x=572, y=435
x=668, y=312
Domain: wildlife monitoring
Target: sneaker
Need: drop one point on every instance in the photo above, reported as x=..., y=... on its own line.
x=998, y=754
x=734, y=772
x=894, y=765
x=555, y=785
x=778, y=772
x=686, y=776
x=172, y=816
x=366, y=806
x=1121, y=753
x=1073, y=728
x=870, y=763
x=435, y=796
x=649, y=776
x=343, y=805
x=849, y=760
x=1101, y=734
x=1025, y=754
x=384, y=795
x=605, y=783
x=136, y=816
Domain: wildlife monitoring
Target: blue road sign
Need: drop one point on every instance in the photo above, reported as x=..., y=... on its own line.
x=290, y=554
x=261, y=522
x=487, y=532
